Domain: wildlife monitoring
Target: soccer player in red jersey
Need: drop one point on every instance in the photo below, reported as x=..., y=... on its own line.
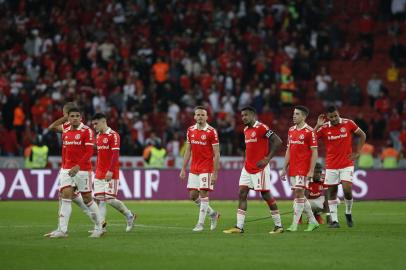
x=107, y=170
x=76, y=172
x=316, y=195
x=59, y=126
x=336, y=134
x=300, y=159
x=202, y=146
x=261, y=145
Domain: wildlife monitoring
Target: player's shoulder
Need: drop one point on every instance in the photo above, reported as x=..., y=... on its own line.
x=347, y=121
x=191, y=128
x=292, y=128
x=261, y=125
x=308, y=129
x=211, y=129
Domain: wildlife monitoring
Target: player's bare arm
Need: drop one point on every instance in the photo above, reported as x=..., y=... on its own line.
x=57, y=125
x=275, y=143
x=216, y=151
x=74, y=170
x=286, y=164
x=186, y=159
x=359, y=132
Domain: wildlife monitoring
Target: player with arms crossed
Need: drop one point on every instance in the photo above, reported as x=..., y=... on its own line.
x=76, y=172
x=336, y=134
x=107, y=170
x=59, y=126
x=261, y=145
x=202, y=146
x=300, y=159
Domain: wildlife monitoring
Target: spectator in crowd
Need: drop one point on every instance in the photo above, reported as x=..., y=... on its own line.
x=354, y=93
x=366, y=157
x=389, y=156
x=374, y=89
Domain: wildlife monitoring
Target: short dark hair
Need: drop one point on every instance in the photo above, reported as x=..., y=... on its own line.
x=200, y=108
x=98, y=116
x=331, y=109
x=74, y=109
x=249, y=108
x=303, y=109
x=318, y=166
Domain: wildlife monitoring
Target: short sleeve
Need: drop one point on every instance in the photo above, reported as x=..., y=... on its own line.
x=187, y=136
x=312, y=141
x=115, y=141
x=214, y=137
x=266, y=131
x=88, y=137
x=352, y=126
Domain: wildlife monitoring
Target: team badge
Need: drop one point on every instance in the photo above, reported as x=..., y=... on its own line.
x=203, y=137
x=77, y=136
x=343, y=130
x=301, y=136
x=105, y=140
x=253, y=134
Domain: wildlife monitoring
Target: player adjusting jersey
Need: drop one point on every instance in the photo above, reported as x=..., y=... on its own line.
x=74, y=147
x=300, y=142
x=201, y=143
x=338, y=142
x=107, y=143
x=256, y=145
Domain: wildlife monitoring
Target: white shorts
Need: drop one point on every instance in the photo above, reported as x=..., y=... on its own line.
x=105, y=189
x=200, y=181
x=298, y=181
x=317, y=203
x=336, y=176
x=260, y=181
x=82, y=180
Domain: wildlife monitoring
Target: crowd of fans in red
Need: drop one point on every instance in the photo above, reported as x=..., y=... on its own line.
x=147, y=64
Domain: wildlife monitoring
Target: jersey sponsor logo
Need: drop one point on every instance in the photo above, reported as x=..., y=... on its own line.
x=251, y=140
x=332, y=138
x=343, y=130
x=103, y=147
x=296, y=142
x=72, y=143
x=105, y=140
x=198, y=142
x=77, y=136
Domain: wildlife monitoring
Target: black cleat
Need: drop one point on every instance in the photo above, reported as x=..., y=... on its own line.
x=334, y=224
x=348, y=217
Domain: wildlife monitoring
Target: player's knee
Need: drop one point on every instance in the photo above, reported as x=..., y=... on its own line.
x=87, y=197
x=299, y=193
x=243, y=194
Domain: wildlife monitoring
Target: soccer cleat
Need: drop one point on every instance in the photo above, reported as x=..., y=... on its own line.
x=276, y=230
x=213, y=220
x=292, y=228
x=319, y=219
x=198, y=227
x=348, y=217
x=96, y=234
x=58, y=234
x=234, y=230
x=334, y=225
x=50, y=233
x=130, y=222
x=312, y=226
x=104, y=228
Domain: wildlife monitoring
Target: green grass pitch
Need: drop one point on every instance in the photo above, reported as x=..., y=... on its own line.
x=163, y=239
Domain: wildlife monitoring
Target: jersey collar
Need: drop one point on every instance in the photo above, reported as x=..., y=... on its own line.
x=340, y=120
x=81, y=125
x=305, y=126
x=204, y=128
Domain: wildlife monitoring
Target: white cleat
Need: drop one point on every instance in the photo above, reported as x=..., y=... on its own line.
x=58, y=234
x=50, y=233
x=198, y=227
x=214, y=220
x=96, y=234
x=130, y=222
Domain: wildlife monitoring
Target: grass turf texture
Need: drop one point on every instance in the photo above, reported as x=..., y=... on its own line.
x=163, y=239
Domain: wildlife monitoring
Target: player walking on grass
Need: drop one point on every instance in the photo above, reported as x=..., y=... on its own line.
x=300, y=159
x=261, y=145
x=107, y=170
x=76, y=172
x=59, y=126
x=336, y=134
x=202, y=146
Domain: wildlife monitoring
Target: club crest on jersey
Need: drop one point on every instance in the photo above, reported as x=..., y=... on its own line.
x=105, y=140
x=301, y=136
x=203, y=137
x=343, y=130
x=77, y=136
x=253, y=134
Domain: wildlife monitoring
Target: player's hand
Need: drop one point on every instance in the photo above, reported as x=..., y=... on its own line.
x=283, y=174
x=109, y=176
x=321, y=119
x=74, y=170
x=354, y=156
x=213, y=178
x=310, y=175
x=182, y=174
x=262, y=163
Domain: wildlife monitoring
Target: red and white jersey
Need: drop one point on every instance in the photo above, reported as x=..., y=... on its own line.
x=201, y=142
x=338, y=142
x=300, y=143
x=65, y=127
x=316, y=189
x=256, y=145
x=74, y=143
x=107, y=143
